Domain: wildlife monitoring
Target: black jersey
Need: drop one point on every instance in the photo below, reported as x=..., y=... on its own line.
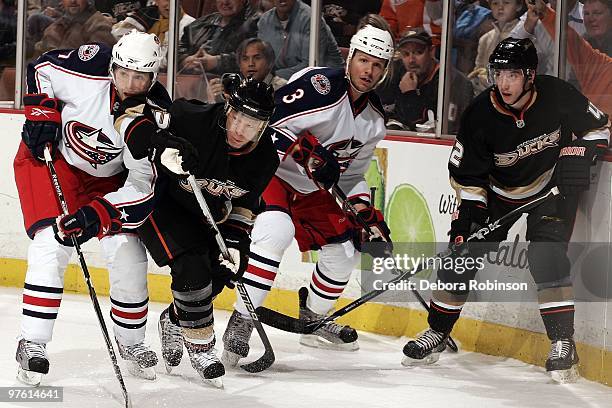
x=514, y=153
x=231, y=184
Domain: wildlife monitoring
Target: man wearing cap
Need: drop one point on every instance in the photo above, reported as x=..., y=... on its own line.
x=413, y=89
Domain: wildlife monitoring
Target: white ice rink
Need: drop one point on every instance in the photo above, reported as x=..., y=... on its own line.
x=301, y=377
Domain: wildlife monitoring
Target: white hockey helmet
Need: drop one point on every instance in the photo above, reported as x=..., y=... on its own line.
x=373, y=41
x=138, y=51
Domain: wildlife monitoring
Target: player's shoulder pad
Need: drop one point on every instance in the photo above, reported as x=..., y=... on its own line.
x=89, y=59
x=310, y=89
x=266, y=152
x=183, y=110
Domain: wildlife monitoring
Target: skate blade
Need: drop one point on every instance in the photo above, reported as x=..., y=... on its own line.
x=214, y=382
x=147, y=373
x=168, y=367
x=230, y=359
x=29, y=377
x=312, y=340
x=413, y=362
x=568, y=376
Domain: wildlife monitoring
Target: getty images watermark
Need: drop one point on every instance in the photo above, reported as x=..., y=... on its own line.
x=399, y=263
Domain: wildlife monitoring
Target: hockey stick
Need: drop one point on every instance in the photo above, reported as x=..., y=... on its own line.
x=291, y=324
x=268, y=358
x=341, y=196
x=92, y=292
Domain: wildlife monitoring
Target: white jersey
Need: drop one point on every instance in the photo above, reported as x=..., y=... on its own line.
x=317, y=100
x=79, y=78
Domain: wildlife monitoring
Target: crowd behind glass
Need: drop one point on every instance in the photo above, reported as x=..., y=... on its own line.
x=269, y=40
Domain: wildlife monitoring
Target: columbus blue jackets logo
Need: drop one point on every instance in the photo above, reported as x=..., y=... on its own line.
x=92, y=145
x=88, y=51
x=320, y=83
x=345, y=151
x=229, y=189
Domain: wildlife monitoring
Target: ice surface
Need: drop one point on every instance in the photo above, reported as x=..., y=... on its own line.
x=301, y=377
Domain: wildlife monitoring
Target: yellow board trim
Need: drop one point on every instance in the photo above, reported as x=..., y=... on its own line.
x=474, y=335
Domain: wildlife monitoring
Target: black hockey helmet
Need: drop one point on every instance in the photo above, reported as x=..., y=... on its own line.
x=514, y=53
x=249, y=96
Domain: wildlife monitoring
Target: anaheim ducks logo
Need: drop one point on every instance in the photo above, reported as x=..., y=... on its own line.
x=345, y=151
x=229, y=189
x=528, y=148
x=92, y=145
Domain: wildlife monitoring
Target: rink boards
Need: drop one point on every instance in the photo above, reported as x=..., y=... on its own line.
x=417, y=167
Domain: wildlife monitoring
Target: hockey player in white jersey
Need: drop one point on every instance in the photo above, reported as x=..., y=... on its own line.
x=327, y=123
x=74, y=106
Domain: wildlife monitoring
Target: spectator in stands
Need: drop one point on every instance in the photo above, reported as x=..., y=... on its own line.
x=405, y=15
x=8, y=33
x=80, y=24
x=153, y=20
x=256, y=59
x=598, y=24
x=473, y=21
x=505, y=14
x=210, y=42
x=261, y=7
x=413, y=89
x=40, y=15
x=593, y=68
x=342, y=16
x=542, y=40
x=287, y=28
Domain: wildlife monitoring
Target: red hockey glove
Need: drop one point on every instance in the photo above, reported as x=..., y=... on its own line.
x=42, y=125
x=99, y=218
x=319, y=163
x=574, y=165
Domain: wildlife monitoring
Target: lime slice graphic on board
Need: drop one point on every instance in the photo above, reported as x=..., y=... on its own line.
x=411, y=224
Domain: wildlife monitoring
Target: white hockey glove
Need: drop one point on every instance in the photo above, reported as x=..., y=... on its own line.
x=171, y=159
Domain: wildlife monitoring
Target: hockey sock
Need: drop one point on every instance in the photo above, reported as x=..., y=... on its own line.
x=323, y=291
x=558, y=318
x=442, y=317
x=259, y=276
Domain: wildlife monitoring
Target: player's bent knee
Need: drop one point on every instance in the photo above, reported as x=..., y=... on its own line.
x=273, y=231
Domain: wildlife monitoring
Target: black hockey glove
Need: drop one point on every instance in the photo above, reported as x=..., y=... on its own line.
x=99, y=218
x=574, y=165
x=238, y=244
x=319, y=163
x=469, y=218
x=380, y=231
x=42, y=125
x=176, y=156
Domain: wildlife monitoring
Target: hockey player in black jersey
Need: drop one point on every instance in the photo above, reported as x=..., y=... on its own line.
x=236, y=160
x=515, y=143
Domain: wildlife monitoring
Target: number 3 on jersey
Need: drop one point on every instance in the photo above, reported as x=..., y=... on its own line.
x=456, y=155
x=299, y=93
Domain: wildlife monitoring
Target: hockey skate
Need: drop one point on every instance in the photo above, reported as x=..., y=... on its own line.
x=205, y=361
x=236, y=339
x=140, y=359
x=425, y=349
x=171, y=339
x=33, y=362
x=331, y=335
x=562, y=361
